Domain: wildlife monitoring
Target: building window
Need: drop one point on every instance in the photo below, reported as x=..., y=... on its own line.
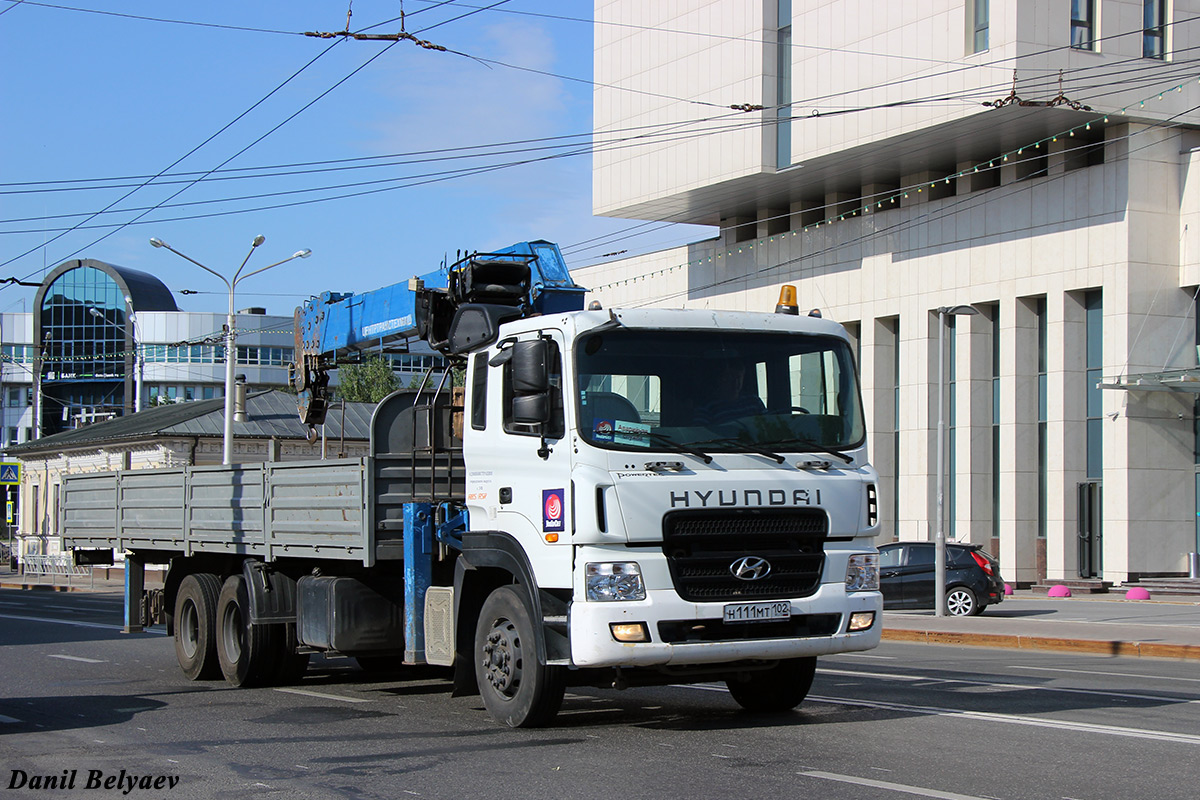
x=1154, y=28
x=1094, y=310
x=1083, y=24
x=265, y=356
x=994, y=313
x=980, y=18
x=951, y=507
x=17, y=353
x=1042, y=417
x=783, y=87
x=896, y=427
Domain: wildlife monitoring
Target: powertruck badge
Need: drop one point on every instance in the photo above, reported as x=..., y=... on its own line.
x=552, y=510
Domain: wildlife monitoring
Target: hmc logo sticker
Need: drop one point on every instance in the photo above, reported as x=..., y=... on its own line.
x=552, y=509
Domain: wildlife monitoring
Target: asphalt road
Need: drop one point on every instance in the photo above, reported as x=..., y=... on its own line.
x=901, y=721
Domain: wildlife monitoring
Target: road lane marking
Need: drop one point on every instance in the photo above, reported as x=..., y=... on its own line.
x=78, y=658
x=8, y=720
x=322, y=695
x=1015, y=719
x=1112, y=674
x=78, y=624
x=987, y=716
x=895, y=787
x=1009, y=686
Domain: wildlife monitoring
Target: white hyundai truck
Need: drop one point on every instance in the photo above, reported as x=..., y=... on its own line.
x=619, y=497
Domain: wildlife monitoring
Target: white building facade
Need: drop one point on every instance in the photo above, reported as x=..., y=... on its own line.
x=883, y=158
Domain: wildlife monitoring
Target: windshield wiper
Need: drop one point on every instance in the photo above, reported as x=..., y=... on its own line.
x=676, y=447
x=752, y=447
x=809, y=444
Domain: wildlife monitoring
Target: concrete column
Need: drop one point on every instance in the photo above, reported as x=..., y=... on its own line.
x=839, y=203
x=1019, y=486
x=1056, y=155
x=1066, y=430
x=876, y=193
x=916, y=187
x=878, y=369
x=977, y=176
x=973, y=428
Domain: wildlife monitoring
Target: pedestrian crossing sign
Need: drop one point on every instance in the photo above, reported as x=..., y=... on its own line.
x=10, y=473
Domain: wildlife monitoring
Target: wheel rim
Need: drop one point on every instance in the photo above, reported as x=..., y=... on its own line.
x=502, y=658
x=231, y=632
x=959, y=603
x=189, y=629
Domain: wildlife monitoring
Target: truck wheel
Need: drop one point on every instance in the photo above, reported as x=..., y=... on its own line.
x=780, y=688
x=247, y=653
x=196, y=626
x=516, y=689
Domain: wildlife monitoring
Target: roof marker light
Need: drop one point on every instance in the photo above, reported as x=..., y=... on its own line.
x=787, y=301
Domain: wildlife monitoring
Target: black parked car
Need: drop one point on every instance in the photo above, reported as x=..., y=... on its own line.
x=906, y=577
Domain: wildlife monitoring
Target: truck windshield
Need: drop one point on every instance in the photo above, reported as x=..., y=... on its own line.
x=717, y=391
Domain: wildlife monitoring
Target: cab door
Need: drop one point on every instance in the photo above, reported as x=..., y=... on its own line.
x=519, y=462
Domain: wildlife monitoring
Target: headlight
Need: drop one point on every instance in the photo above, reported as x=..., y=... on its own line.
x=862, y=573
x=619, y=581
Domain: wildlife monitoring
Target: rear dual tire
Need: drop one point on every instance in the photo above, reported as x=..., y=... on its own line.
x=195, y=626
x=248, y=654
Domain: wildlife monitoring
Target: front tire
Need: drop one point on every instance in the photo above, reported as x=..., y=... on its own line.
x=196, y=626
x=779, y=688
x=247, y=653
x=961, y=602
x=517, y=690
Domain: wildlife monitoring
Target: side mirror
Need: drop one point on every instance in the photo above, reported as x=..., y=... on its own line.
x=531, y=409
x=531, y=382
x=530, y=368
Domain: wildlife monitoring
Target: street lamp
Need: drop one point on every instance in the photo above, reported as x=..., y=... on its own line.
x=230, y=336
x=939, y=550
x=138, y=362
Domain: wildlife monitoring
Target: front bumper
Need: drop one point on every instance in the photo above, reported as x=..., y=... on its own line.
x=818, y=626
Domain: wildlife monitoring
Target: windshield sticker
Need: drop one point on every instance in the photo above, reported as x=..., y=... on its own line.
x=633, y=433
x=603, y=430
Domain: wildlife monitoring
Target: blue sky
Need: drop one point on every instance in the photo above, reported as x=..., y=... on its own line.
x=98, y=103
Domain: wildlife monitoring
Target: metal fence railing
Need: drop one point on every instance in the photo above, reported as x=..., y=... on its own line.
x=54, y=566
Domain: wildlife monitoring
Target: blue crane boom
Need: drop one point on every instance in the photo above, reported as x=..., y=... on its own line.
x=455, y=310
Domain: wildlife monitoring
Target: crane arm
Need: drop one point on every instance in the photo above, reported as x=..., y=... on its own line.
x=454, y=310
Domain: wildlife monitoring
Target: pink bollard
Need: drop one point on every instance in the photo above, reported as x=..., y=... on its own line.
x=1137, y=593
x=1058, y=591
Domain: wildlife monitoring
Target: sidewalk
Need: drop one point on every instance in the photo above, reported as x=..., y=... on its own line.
x=1102, y=625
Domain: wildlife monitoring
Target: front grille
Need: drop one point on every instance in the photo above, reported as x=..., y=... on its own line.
x=702, y=546
x=716, y=630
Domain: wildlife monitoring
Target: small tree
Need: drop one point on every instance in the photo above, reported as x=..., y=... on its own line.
x=368, y=381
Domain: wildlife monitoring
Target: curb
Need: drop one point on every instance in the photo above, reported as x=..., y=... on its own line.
x=1018, y=641
x=50, y=587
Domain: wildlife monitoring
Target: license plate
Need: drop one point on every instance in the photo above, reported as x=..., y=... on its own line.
x=758, y=612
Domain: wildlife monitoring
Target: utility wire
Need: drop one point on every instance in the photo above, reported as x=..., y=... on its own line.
x=409, y=180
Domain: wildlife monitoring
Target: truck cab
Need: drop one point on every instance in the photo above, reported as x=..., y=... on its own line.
x=687, y=489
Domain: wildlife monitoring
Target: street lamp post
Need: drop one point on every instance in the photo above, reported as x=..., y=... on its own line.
x=939, y=550
x=230, y=336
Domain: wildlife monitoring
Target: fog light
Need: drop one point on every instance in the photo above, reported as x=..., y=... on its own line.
x=861, y=620
x=629, y=631
x=617, y=581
